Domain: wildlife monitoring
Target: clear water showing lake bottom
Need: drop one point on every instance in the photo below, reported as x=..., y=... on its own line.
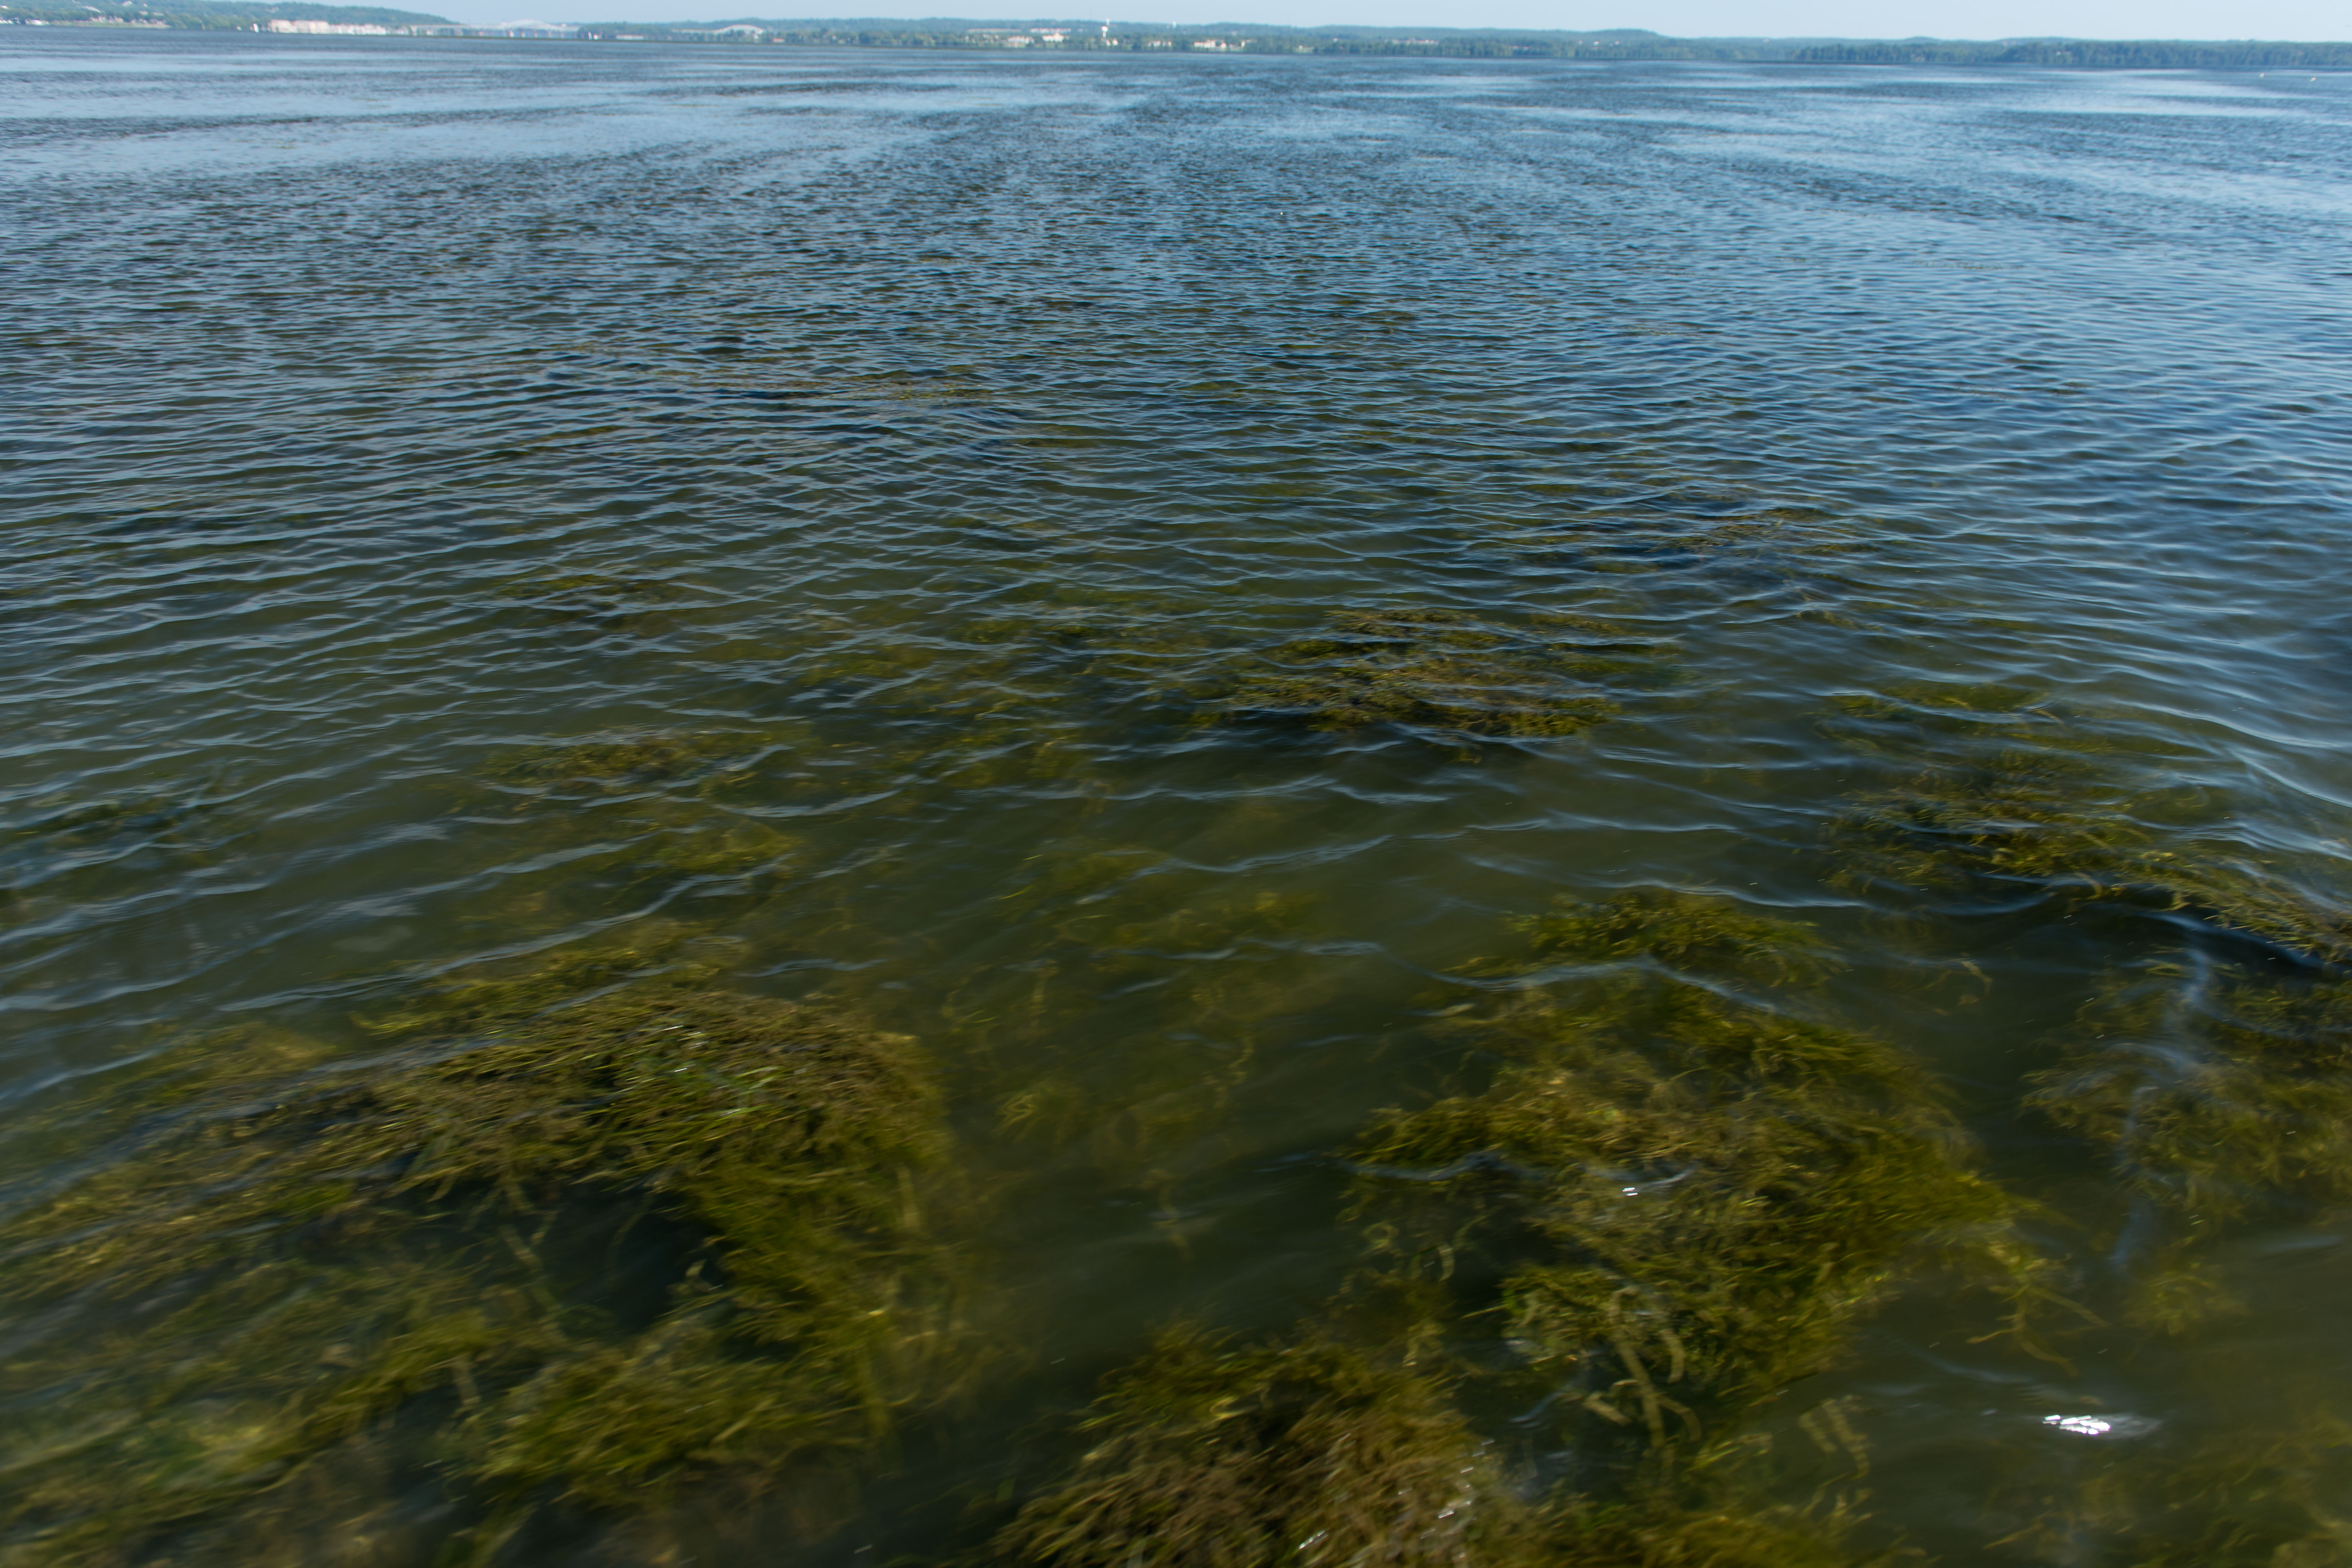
x=844, y=808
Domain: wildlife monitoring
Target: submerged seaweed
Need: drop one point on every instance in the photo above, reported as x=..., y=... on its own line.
x=2254, y=1493
x=2218, y=1091
x=1030, y=664
x=707, y=760
x=1693, y=1195
x=1998, y=786
x=1433, y=668
x=59, y=851
x=1673, y=1196
x=621, y=818
x=1222, y=1456
x=1184, y=965
x=2004, y=791
x=1664, y=1531
x=589, y=593
x=277, y=1273
x=2213, y=1090
x=1317, y=1451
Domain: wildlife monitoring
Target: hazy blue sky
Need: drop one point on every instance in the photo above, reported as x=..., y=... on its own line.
x=2306, y=20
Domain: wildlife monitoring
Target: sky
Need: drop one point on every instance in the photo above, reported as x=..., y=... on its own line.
x=2296, y=19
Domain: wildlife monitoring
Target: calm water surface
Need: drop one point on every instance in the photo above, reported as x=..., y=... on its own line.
x=942, y=436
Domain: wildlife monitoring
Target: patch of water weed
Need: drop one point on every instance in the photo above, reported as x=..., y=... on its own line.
x=1691, y=1195
x=706, y=760
x=1718, y=529
x=1319, y=1448
x=2218, y=1090
x=1211, y=1454
x=2003, y=792
x=138, y=818
x=161, y=1074
x=1028, y=692
x=1108, y=649
x=1996, y=785
x=597, y=1249
x=61, y=846
x=630, y=815
x=1796, y=529
x=1692, y=1531
x=1431, y=669
x=1672, y=1198
x=2266, y=1494
x=1186, y=967
x=1027, y=698
x=641, y=606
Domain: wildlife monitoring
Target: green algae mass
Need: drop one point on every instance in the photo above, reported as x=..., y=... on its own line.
x=2002, y=791
x=1323, y=1450
x=2220, y=1091
x=1676, y=1193
x=1692, y=1196
x=2215, y=1091
x=1207, y=1454
x=589, y=592
x=1995, y=785
x=1435, y=669
x=602, y=824
x=63, y=851
x=706, y=760
x=1184, y=965
x=459, y=1242
x=2256, y=1491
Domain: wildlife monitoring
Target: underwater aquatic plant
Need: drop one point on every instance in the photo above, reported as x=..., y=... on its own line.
x=624, y=817
x=440, y=1229
x=1659, y=1531
x=60, y=850
x=1673, y=1196
x=1191, y=961
x=1209, y=1454
x=2251, y=1491
x=589, y=592
x=2217, y=1091
x=1999, y=784
x=704, y=759
x=1033, y=662
x=137, y=818
x=1435, y=669
x=1691, y=1196
x=1669, y=931
x=2005, y=790
x=1316, y=1450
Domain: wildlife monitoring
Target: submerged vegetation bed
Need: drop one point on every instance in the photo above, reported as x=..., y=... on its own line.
x=1438, y=669
x=2000, y=793
x=582, y=1247
x=1676, y=1196
x=1698, y=1183
x=579, y=1237
x=1679, y=1189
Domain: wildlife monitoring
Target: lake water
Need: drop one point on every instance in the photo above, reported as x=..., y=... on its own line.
x=1134, y=572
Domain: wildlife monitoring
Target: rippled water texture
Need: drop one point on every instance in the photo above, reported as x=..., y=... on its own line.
x=1132, y=575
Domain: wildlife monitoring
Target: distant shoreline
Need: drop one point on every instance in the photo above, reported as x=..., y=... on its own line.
x=1098, y=37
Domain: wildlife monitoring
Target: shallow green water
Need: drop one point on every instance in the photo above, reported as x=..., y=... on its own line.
x=1133, y=574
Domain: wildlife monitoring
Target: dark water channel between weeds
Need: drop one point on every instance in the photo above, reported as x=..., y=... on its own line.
x=770, y=806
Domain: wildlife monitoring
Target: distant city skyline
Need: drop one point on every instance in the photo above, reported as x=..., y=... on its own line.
x=2308, y=20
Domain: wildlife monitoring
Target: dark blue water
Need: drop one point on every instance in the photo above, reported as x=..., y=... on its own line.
x=947, y=434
